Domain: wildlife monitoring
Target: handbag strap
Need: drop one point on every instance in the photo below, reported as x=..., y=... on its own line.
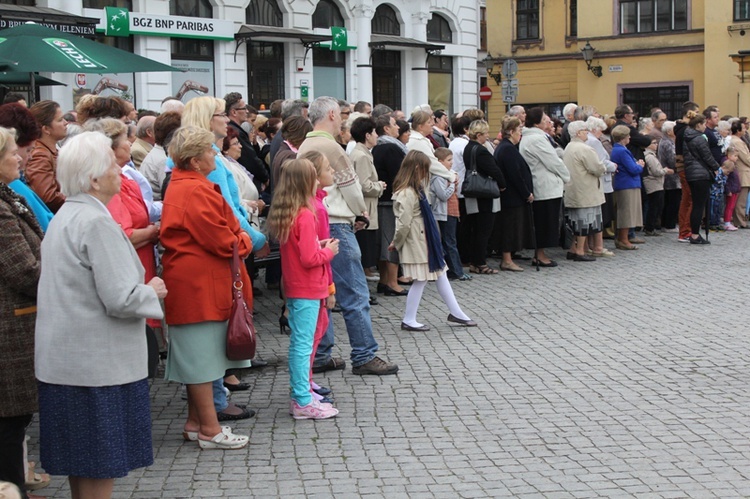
x=473, y=161
x=234, y=264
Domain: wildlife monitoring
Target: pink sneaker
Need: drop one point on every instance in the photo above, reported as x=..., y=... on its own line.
x=313, y=410
x=729, y=226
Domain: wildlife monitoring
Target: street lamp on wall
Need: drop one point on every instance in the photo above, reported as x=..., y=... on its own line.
x=489, y=64
x=588, y=56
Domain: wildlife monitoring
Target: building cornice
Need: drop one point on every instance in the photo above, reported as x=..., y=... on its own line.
x=613, y=53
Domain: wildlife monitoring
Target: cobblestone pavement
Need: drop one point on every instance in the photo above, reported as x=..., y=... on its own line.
x=628, y=376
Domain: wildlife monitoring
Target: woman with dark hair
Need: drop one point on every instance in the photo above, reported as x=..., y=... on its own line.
x=293, y=131
x=481, y=212
x=513, y=223
x=27, y=130
x=268, y=130
x=549, y=174
x=42, y=163
x=700, y=171
x=231, y=148
x=404, y=131
x=104, y=107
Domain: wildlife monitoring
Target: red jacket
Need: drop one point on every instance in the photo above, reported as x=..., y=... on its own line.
x=303, y=261
x=198, y=229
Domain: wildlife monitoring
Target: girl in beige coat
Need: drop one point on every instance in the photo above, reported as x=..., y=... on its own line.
x=417, y=241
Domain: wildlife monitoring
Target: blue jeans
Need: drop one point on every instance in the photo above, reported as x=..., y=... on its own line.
x=220, y=395
x=450, y=248
x=353, y=296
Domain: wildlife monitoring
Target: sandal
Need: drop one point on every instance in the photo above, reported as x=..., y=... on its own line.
x=482, y=269
x=192, y=436
x=224, y=441
x=36, y=481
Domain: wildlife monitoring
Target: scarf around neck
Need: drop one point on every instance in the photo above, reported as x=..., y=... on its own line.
x=435, y=259
x=387, y=139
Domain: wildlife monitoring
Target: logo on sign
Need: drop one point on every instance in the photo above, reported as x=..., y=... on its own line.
x=72, y=53
x=81, y=80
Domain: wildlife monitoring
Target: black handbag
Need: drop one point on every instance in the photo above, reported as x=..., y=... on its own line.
x=477, y=185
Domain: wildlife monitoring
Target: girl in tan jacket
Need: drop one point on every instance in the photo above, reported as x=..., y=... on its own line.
x=417, y=241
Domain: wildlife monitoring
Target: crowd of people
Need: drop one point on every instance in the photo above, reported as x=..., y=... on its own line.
x=120, y=225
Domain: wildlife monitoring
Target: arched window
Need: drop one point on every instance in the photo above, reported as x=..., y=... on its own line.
x=186, y=48
x=264, y=13
x=385, y=21
x=438, y=29
x=327, y=14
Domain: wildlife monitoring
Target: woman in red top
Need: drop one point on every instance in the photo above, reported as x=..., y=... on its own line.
x=127, y=207
x=304, y=258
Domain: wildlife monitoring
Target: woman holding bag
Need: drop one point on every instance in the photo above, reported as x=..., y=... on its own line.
x=481, y=211
x=198, y=231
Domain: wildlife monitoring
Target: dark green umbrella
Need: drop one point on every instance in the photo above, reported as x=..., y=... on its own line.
x=23, y=79
x=31, y=48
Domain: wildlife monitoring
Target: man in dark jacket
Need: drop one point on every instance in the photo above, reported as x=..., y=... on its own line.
x=236, y=110
x=711, y=113
x=638, y=142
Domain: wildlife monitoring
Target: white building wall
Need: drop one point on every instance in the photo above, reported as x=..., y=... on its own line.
x=230, y=74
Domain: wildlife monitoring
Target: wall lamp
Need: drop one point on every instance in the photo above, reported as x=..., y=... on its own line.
x=588, y=56
x=489, y=64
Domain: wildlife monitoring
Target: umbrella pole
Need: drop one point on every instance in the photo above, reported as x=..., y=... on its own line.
x=32, y=92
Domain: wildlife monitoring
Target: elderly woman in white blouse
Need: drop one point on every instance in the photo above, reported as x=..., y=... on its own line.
x=596, y=127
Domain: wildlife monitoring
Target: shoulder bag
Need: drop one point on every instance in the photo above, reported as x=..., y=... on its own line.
x=240, y=331
x=477, y=185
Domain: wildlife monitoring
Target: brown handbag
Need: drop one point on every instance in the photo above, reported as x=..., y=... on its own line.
x=240, y=331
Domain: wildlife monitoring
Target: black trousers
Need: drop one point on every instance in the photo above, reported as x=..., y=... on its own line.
x=483, y=223
x=671, y=208
x=655, y=206
x=700, y=189
x=12, y=434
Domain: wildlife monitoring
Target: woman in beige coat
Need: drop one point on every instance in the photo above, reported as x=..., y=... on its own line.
x=584, y=193
x=743, y=171
x=417, y=241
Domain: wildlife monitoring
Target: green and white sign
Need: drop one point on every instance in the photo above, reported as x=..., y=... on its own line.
x=120, y=22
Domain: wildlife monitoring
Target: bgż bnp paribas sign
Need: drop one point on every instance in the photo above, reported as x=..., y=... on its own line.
x=120, y=22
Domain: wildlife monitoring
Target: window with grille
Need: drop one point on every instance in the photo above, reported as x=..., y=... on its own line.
x=527, y=20
x=646, y=16
x=742, y=10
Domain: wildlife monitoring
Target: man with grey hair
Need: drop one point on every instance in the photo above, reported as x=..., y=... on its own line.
x=144, y=140
x=380, y=110
x=568, y=112
x=172, y=105
x=519, y=112
x=347, y=214
x=363, y=107
x=658, y=117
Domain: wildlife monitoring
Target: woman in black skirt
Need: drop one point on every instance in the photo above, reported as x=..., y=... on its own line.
x=513, y=224
x=549, y=174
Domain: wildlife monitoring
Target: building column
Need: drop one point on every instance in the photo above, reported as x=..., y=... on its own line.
x=362, y=25
x=416, y=60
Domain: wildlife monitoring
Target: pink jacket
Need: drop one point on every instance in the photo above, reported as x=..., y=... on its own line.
x=304, y=264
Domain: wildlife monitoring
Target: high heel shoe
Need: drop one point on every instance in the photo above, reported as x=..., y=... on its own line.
x=283, y=321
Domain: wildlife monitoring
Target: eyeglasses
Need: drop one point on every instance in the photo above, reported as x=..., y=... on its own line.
x=223, y=115
x=346, y=112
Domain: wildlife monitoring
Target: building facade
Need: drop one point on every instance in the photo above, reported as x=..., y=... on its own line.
x=400, y=53
x=648, y=53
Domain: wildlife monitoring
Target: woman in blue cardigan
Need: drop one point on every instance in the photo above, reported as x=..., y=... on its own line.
x=627, y=186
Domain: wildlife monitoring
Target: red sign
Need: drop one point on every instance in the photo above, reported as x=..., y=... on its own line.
x=80, y=80
x=485, y=93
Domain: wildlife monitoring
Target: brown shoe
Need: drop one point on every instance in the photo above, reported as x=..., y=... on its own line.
x=377, y=367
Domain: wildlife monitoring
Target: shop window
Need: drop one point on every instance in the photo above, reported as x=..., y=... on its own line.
x=574, y=18
x=742, y=10
x=264, y=13
x=647, y=16
x=668, y=99
x=438, y=29
x=440, y=82
x=385, y=21
x=327, y=14
x=527, y=20
x=187, y=48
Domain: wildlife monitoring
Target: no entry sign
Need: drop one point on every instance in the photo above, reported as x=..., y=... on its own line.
x=485, y=93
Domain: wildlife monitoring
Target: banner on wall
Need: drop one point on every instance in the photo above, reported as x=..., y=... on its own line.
x=197, y=79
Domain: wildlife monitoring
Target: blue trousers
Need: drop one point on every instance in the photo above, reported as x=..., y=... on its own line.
x=303, y=316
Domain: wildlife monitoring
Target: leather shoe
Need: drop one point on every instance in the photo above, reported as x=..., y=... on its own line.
x=579, y=258
x=245, y=414
x=258, y=363
x=407, y=327
x=389, y=291
x=381, y=288
x=463, y=322
x=238, y=387
x=333, y=364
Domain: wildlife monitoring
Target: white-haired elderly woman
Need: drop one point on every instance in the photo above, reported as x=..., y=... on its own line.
x=596, y=127
x=672, y=186
x=584, y=195
x=94, y=414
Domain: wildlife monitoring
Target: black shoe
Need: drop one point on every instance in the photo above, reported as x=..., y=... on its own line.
x=245, y=414
x=551, y=263
x=579, y=258
x=699, y=240
x=407, y=327
x=392, y=292
x=333, y=364
x=463, y=322
x=258, y=363
x=323, y=391
x=373, y=300
x=239, y=387
x=381, y=288
x=283, y=321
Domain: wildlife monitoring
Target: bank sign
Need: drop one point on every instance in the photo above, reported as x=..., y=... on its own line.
x=120, y=22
